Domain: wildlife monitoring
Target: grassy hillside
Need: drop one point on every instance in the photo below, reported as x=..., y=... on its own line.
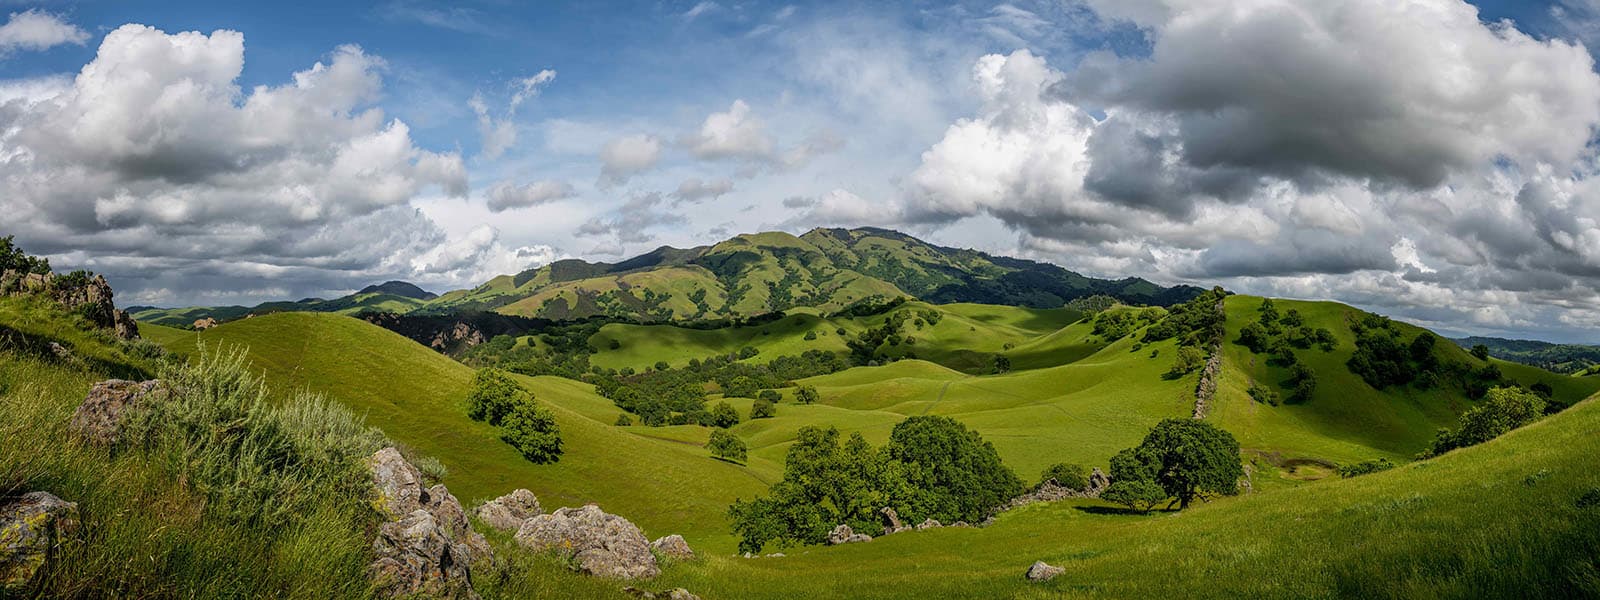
x=1561, y=358
x=416, y=396
x=966, y=336
x=1346, y=420
x=373, y=301
x=1498, y=520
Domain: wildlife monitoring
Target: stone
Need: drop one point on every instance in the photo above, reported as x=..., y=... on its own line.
x=415, y=558
x=891, y=521
x=1040, y=571
x=508, y=512
x=602, y=544
x=399, y=484
x=31, y=529
x=672, y=594
x=1098, y=482
x=100, y=418
x=674, y=546
x=444, y=507
x=929, y=524
x=843, y=534
x=204, y=324
x=124, y=326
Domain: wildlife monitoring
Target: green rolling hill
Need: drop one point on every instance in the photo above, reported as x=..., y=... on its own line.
x=389, y=297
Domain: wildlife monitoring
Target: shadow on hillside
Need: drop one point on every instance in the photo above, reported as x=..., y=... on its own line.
x=51, y=350
x=1116, y=510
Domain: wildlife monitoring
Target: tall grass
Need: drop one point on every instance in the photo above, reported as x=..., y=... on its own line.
x=213, y=492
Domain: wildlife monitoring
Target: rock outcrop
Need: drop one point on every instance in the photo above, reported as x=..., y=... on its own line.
x=1098, y=482
x=929, y=524
x=461, y=334
x=87, y=296
x=843, y=534
x=31, y=529
x=1207, y=388
x=674, y=546
x=203, y=324
x=508, y=512
x=601, y=543
x=100, y=418
x=1050, y=491
x=1040, y=571
x=427, y=547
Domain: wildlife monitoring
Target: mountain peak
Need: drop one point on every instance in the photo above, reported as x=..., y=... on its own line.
x=399, y=288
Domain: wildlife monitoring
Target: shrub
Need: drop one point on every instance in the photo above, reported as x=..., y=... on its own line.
x=1002, y=364
x=726, y=446
x=1188, y=359
x=662, y=365
x=770, y=396
x=811, y=335
x=1263, y=394
x=623, y=420
x=532, y=430
x=748, y=352
x=724, y=416
x=615, y=344
x=1481, y=352
x=807, y=395
x=493, y=395
x=1067, y=475
x=1139, y=495
x=763, y=409
x=1365, y=467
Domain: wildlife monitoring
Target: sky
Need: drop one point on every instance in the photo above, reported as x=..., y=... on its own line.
x=1434, y=160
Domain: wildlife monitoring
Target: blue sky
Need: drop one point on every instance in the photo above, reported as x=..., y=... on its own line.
x=1274, y=146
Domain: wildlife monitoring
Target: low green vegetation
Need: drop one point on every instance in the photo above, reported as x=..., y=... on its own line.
x=1067, y=475
x=528, y=427
x=1503, y=409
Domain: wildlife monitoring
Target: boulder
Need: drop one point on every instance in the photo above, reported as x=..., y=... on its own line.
x=100, y=418
x=672, y=594
x=399, y=484
x=31, y=529
x=1040, y=571
x=891, y=521
x=602, y=544
x=427, y=546
x=929, y=524
x=674, y=546
x=843, y=534
x=415, y=558
x=508, y=512
x=1098, y=482
x=203, y=324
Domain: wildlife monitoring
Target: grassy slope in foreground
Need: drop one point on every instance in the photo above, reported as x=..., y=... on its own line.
x=416, y=396
x=1496, y=520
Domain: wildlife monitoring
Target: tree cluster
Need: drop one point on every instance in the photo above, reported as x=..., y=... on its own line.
x=1503, y=409
x=528, y=427
x=932, y=467
x=12, y=258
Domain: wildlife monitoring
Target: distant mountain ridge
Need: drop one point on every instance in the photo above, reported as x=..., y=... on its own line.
x=1561, y=358
x=754, y=274
x=824, y=270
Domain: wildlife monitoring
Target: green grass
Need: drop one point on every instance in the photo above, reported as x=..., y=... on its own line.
x=417, y=397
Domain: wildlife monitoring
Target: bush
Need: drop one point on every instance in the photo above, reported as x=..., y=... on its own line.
x=1365, y=467
x=662, y=365
x=724, y=416
x=1139, y=495
x=532, y=430
x=1067, y=475
x=493, y=395
x=956, y=475
x=1263, y=394
x=623, y=420
x=811, y=335
x=807, y=395
x=1188, y=359
x=726, y=446
x=771, y=396
x=763, y=409
x=1002, y=364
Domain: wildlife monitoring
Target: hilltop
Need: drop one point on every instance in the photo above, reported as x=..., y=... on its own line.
x=745, y=276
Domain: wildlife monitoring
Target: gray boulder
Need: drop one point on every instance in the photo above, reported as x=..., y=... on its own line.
x=99, y=419
x=891, y=521
x=399, y=485
x=602, y=544
x=31, y=529
x=672, y=594
x=674, y=546
x=843, y=534
x=1098, y=482
x=508, y=512
x=444, y=507
x=929, y=524
x=1040, y=571
x=415, y=558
